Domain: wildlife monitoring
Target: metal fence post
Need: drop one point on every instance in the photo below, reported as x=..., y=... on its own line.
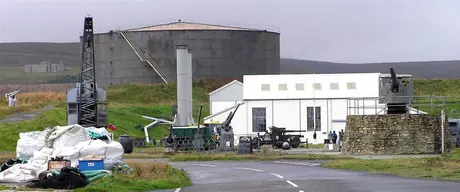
x=442, y=130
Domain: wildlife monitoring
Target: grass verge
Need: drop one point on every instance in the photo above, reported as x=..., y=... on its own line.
x=147, y=176
x=445, y=167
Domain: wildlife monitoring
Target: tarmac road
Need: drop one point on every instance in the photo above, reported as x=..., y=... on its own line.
x=296, y=176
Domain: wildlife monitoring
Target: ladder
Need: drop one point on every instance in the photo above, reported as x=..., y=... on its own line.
x=144, y=57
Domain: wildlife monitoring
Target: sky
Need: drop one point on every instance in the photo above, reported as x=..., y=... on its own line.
x=346, y=31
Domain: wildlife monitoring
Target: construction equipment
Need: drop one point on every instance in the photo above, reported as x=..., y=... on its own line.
x=87, y=103
x=278, y=138
x=184, y=134
x=395, y=92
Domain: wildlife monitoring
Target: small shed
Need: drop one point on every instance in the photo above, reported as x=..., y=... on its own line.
x=72, y=107
x=226, y=96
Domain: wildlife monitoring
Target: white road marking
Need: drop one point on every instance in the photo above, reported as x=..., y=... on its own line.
x=293, y=184
x=279, y=176
x=202, y=165
x=250, y=169
x=298, y=163
x=178, y=189
x=300, y=190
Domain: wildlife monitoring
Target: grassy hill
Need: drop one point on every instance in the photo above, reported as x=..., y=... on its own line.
x=128, y=103
x=13, y=56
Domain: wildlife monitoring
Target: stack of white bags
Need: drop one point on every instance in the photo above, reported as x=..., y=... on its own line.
x=70, y=142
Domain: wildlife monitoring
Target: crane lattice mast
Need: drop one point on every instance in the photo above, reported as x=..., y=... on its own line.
x=87, y=92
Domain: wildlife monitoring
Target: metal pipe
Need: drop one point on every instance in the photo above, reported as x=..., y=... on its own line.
x=442, y=131
x=147, y=139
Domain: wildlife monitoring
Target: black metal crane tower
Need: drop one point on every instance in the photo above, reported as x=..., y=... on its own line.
x=87, y=90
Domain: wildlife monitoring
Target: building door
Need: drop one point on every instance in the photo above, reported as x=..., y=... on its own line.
x=259, y=119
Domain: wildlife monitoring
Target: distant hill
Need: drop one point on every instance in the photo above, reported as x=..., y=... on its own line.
x=18, y=54
x=430, y=69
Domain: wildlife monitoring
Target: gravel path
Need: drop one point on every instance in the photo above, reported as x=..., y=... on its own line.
x=25, y=115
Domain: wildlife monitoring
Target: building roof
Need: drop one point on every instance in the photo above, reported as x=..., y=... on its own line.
x=226, y=85
x=189, y=26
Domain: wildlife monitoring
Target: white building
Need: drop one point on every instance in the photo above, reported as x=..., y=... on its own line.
x=298, y=102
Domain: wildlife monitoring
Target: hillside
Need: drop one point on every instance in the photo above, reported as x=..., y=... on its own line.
x=431, y=69
x=14, y=55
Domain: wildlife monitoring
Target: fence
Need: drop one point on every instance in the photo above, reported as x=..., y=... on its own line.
x=415, y=105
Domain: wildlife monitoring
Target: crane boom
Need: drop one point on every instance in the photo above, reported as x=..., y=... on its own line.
x=87, y=91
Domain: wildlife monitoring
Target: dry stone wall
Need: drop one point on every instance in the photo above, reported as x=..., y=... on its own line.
x=394, y=134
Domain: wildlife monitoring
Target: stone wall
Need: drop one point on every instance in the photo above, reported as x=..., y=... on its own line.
x=394, y=134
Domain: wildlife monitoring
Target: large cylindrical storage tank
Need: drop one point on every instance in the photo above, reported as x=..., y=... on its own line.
x=218, y=52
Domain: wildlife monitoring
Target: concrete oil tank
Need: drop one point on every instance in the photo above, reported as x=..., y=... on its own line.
x=134, y=55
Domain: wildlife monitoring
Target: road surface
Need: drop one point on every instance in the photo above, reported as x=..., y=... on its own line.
x=296, y=176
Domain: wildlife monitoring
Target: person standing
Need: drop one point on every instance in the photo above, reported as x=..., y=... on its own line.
x=341, y=134
x=334, y=137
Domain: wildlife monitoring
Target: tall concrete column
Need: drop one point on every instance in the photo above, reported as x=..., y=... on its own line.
x=183, y=86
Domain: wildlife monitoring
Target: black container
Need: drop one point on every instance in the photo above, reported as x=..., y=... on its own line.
x=126, y=142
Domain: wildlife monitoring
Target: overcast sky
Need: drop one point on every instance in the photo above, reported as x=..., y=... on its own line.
x=353, y=31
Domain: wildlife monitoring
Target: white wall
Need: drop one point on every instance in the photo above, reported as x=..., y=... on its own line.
x=238, y=123
x=366, y=86
x=217, y=107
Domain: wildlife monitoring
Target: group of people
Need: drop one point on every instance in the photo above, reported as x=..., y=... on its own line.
x=337, y=138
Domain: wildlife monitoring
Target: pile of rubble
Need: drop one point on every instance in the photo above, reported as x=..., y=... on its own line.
x=63, y=157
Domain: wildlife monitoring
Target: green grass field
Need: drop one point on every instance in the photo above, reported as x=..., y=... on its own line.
x=16, y=75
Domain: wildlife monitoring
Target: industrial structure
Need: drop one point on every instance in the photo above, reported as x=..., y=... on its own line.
x=45, y=67
x=315, y=103
x=87, y=103
x=148, y=54
x=184, y=134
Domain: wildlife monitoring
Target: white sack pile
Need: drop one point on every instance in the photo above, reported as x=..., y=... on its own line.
x=70, y=142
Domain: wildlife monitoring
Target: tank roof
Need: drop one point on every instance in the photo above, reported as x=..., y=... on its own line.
x=190, y=26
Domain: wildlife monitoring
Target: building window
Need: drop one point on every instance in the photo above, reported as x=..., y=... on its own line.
x=317, y=86
x=282, y=87
x=334, y=86
x=318, y=118
x=259, y=120
x=72, y=108
x=313, y=119
x=299, y=87
x=265, y=87
x=351, y=85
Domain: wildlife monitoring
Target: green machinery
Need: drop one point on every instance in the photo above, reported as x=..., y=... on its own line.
x=199, y=137
x=278, y=138
x=186, y=138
